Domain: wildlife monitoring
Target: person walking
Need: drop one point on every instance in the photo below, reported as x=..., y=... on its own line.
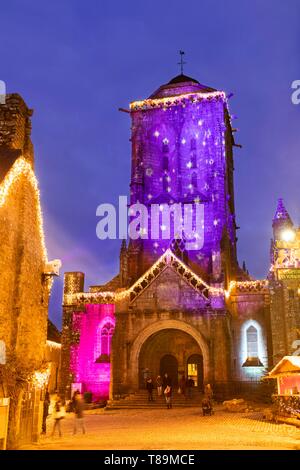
x=58, y=415
x=208, y=393
x=45, y=411
x=78, y=410
x=150, y=387
x=167, y=388
x=159, y=386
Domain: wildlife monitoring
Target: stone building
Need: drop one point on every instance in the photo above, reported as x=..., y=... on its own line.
x=52, y=356
x=25, y=275
x=180, y=303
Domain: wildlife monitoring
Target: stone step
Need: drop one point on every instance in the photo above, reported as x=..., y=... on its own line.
x=139, y=400
x=149, y=406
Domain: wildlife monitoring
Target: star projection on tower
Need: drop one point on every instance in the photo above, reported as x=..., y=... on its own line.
x=181, y=153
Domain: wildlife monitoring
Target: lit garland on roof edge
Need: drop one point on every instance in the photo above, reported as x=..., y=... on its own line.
x=22, y=168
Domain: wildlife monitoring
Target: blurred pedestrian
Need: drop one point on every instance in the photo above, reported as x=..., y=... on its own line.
x=159, y=386
x=45, y=411
x=150, y=387
x=58, y=415
x=208, y=392
x=78, y=410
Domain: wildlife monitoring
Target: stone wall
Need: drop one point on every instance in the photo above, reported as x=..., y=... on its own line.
x=24, y=292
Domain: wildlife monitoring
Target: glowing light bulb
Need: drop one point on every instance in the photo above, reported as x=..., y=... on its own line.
x=288, y=235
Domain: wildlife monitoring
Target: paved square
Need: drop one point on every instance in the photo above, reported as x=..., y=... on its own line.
x=172, y=429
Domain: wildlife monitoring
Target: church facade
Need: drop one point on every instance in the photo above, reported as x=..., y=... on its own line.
x=173, y=308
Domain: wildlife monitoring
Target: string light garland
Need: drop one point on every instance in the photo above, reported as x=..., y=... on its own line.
x=167, y=259
x=257, y=286
x=41, y=378
x=20, y=168
x=53, y=344
x=177, y=100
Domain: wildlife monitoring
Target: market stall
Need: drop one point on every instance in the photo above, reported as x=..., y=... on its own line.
x=287, y=374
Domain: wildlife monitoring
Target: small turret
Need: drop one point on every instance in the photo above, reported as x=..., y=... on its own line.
x=282, y=221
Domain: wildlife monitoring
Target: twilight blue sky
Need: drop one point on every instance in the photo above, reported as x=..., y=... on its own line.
x=76, y=62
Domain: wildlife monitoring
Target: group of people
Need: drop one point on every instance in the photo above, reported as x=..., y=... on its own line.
x=164, y=389
x=76, y=406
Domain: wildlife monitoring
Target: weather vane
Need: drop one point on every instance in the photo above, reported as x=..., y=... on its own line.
x=181, y=63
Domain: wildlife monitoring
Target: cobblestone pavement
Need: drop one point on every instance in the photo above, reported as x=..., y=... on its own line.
x=172, y=429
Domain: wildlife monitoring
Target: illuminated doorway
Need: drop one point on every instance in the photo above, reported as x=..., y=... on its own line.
x=169, y=365
x=195, y=370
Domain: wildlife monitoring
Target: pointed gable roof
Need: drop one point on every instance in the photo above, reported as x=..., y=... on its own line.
x=287, y=365
x=169, y=260
x=281, y=213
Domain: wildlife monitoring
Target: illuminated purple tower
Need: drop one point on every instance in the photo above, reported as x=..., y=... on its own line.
x=182, y=153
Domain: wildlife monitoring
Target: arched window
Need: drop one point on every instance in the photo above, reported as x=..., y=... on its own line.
x=193, y=144
x=106, y=334
x=165, y=147
x=194, y=180
x=252, y=342
x=103, y=343
x=252, y=339
x=165, y=183
x=165, y=163
x=194, y=159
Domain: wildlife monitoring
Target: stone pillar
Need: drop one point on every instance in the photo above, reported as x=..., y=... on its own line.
x=73, y=284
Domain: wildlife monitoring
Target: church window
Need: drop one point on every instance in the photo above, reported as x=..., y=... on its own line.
x=103, y=342
x=194, y=180
x=194, y=159
x=165, y=183
x=165, y=147
x=252, y=342
x=193, y=144
x=252, y=338
x=165, y=163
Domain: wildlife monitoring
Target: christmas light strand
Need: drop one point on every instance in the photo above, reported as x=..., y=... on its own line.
x=22, y=168
x=177, y=100
x=167, y=259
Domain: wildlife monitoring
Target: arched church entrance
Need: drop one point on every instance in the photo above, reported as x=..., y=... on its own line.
x=170, y=351
x=169, y=365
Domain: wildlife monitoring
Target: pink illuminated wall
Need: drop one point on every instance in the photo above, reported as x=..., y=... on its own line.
x=93, y=330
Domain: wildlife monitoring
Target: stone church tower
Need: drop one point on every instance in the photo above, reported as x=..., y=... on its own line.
x=182, y=153
x=173, y=308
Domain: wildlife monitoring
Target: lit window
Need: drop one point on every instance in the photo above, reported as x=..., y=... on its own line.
x=252, y=348
x=103, y=342
x=252, y=343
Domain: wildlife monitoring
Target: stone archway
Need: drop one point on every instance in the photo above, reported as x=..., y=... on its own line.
x=134, y=373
